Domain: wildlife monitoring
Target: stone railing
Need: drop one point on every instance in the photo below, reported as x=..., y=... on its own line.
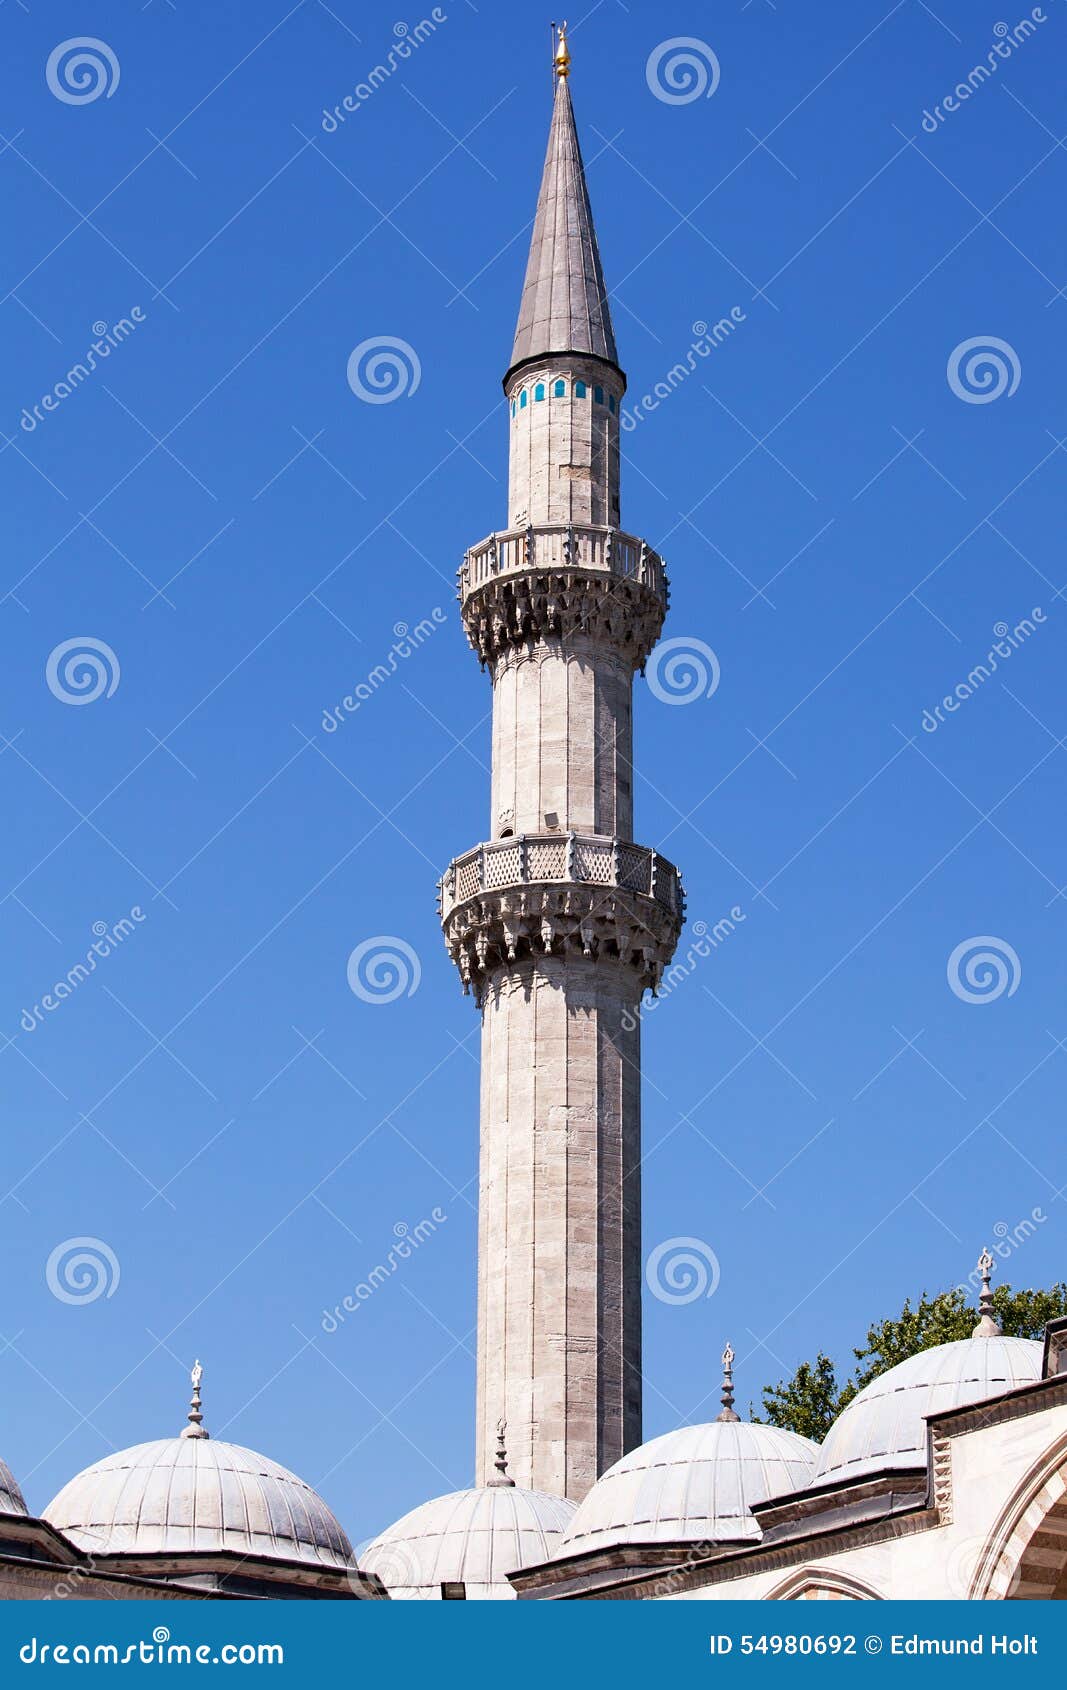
x=559, y=546
x=561, y=858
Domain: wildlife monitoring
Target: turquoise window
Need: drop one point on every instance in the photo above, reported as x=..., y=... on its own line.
x=560, y=389
x=598, y=395
x=539, y=390
x=611, y=403
x=513, y=407
x=579, y=390
x=522, y=400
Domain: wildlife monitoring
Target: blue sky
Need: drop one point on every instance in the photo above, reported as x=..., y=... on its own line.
x=216, y=506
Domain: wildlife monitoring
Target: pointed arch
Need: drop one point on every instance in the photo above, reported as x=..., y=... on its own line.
x=1025, y=1554
x=822, y=1584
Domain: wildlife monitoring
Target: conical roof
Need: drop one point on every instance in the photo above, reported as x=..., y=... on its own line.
x=564, y=301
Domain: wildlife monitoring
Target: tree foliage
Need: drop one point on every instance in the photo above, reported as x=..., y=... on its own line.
x=811, y=1400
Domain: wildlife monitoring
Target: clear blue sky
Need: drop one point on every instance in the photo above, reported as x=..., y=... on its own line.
x=841, y=528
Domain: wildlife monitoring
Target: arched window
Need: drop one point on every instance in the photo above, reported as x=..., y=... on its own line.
x=611, y=403
x=598, y=395
x=513, y=407
x=579, y=390
x=560, y=390
x=539, y=390
x=522, y=400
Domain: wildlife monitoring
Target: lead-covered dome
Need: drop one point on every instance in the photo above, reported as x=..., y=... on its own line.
x=11, y=1498
x=884, y=1427
x=470, y=1537
x=696, y=1484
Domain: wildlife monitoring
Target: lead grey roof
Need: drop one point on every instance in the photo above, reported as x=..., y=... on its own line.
x=698, y=1483
x=11, y=1499
x=564, y=301
x=471, y=1537
x=884, y=1427
x=189, y=1495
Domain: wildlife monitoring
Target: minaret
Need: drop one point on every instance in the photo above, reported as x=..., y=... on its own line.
x=559, y=922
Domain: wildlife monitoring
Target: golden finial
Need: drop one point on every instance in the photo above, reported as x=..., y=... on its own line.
x=561, y=59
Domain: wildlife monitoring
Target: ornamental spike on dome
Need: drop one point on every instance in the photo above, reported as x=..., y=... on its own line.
x=988, y=1324
x=196, y=1427
x=561, y=58
x=501, y=1462
x=727, y=1411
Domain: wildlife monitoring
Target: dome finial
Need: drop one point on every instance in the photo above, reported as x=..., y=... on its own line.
x=988, y=1325
x=196, y=1427
x=727, y=1412
x=561, y=58
x=501, y=1461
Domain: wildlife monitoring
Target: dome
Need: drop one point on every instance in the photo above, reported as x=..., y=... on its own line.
x=11, y=1500
x=195, y=1495
x=473, y=1537
x=884, y=1426
x=698, y=1483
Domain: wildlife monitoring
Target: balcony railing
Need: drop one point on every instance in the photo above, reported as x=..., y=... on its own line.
x=562, y=546
x=537, y=858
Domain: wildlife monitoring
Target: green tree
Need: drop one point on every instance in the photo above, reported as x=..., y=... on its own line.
x=811, y=1400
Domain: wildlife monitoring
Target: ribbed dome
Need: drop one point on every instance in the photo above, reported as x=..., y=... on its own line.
x=884, y=1426
x=698, y=1483
x=473, y=1537
x=194, y=1495
x=11, y=1500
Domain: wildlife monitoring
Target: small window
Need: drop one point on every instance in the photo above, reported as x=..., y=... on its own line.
x=611, y=403
x=513, y=407
x=560, y=390
x=598, y=395
x=539, y=390
x=579, y=390
x=522, y=400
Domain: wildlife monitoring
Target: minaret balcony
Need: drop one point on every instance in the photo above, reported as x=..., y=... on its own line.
x=557, y=580
x=553, y=894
